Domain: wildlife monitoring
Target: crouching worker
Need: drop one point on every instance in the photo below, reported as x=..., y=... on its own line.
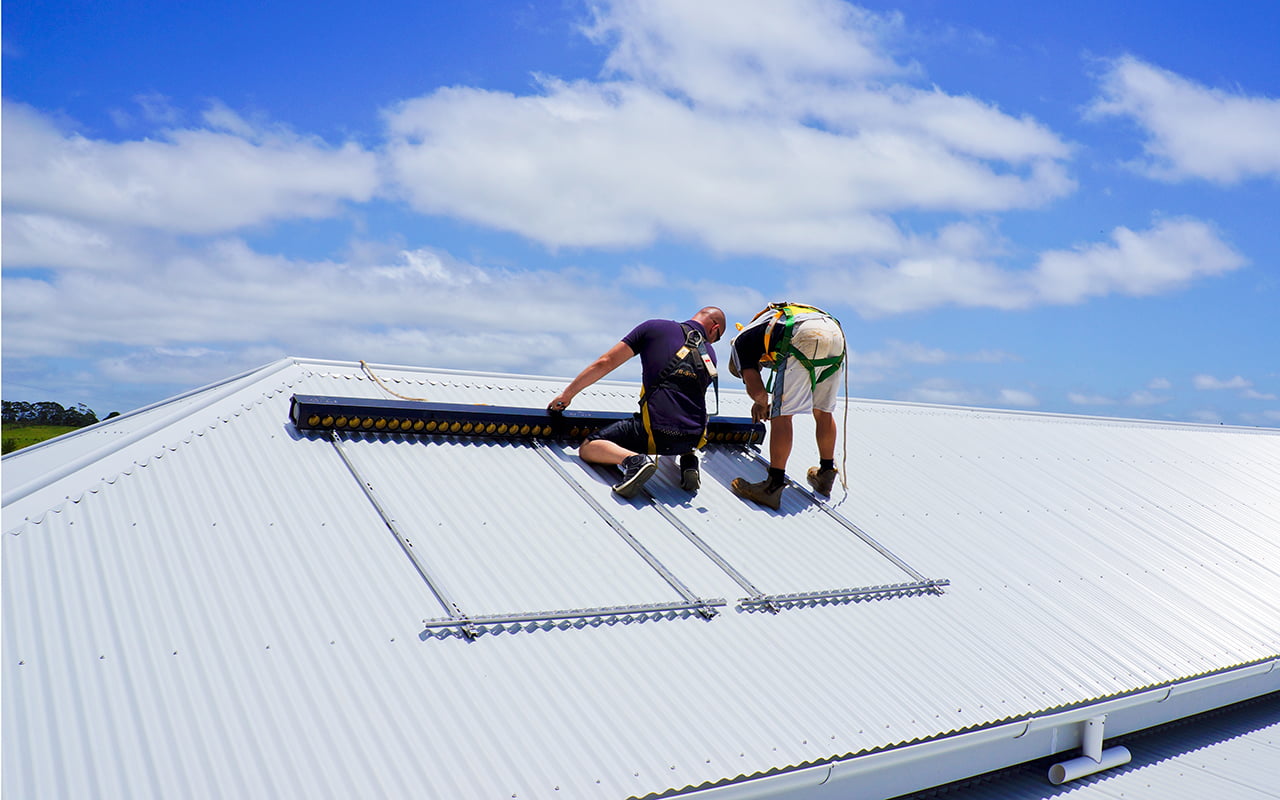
x=805, y=347
x=678, y=365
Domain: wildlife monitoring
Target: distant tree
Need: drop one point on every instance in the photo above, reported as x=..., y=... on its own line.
x=80, y=416
x=16, y=413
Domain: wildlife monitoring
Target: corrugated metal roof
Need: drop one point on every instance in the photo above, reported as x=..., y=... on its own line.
x=210, y=605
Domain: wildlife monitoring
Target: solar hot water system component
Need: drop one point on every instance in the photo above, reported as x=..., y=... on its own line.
x=415, y=418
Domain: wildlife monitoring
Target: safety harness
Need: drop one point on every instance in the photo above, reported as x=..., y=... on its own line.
x=819, y=369
x=788, y=314
x=681, y=374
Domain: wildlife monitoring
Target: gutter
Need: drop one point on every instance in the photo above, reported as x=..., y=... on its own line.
x=915, y=767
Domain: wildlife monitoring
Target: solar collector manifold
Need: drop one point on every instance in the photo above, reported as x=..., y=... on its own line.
x=418, y=418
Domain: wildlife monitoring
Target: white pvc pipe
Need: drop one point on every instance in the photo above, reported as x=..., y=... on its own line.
x=1084, y=765
x=1095, y=759
x=1092, y=744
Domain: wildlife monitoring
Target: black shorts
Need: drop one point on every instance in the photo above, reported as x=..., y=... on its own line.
x=630, y=433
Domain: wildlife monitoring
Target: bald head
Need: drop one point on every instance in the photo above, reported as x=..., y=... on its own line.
x=713, y=322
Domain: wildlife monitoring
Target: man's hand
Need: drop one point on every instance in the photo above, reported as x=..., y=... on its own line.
x=760, y=412
x=560, y=403
x=758, y=394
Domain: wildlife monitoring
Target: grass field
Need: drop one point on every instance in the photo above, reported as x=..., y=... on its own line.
x=16, y=438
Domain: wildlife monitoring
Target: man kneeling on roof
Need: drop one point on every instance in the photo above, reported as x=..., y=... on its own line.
x=805, y=347
x=678, y=365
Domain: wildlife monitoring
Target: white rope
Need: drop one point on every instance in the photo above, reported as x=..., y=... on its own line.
x=844, y=426
x=369, y=371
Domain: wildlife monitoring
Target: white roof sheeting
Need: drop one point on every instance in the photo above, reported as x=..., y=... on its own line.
x=198, y=601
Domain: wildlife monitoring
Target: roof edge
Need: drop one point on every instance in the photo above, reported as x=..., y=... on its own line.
x=214, y=392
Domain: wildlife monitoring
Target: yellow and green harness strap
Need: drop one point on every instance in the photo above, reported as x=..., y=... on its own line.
x=819, y=369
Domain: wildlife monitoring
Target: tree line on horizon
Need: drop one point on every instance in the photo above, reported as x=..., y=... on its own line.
x=47, y=413
x=28, y=423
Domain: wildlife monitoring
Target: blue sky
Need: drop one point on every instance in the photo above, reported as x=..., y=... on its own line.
x=1066, y=209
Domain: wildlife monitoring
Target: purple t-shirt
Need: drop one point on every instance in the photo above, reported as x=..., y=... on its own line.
x=671, y=411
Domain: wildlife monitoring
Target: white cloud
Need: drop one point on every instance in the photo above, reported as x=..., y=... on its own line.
x=1082, y=399
x=738, y=302
x=642, y=276
x=40, y=240
x=943, y=392
x=775, y=130
x=221, y=118
x=916, y=353
x=1019, y=398
x=740, y=53
x=1166, y=257
x=1142, y=397
x=229, y=300
x=1160, y=384
x=1210, y=383
x=190, y=366
x=897, y=353
x=157, y=109
x=1193, y=131
x=186, y=180
x=808, y=59
x=1254, y=394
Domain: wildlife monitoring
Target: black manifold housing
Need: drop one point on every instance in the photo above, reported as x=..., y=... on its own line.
x=417, y=418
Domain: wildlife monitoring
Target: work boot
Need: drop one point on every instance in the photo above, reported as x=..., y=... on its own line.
x=822, y=480
x=635, y=471
x=758, y=492
x=690, y=475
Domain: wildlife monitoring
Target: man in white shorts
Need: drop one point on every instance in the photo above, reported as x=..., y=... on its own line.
x=805, y=347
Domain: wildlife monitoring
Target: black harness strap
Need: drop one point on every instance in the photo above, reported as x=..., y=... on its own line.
x=694, y=340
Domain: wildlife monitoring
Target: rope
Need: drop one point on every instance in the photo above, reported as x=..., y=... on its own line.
x=844, y=426
x=369, y=371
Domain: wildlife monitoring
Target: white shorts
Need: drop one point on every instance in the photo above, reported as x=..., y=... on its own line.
x=817, y=337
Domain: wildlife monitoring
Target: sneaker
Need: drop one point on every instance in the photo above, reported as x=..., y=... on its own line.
x=822, y=480
x=635, y=471
x=758, y=492
x=690, y=475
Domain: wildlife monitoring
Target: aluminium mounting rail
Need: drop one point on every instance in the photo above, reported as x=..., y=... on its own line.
x=473, y=625
x=456, y=615
x=919, y=582
x=758, y=600
x=755, y=596
x=705, y=607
